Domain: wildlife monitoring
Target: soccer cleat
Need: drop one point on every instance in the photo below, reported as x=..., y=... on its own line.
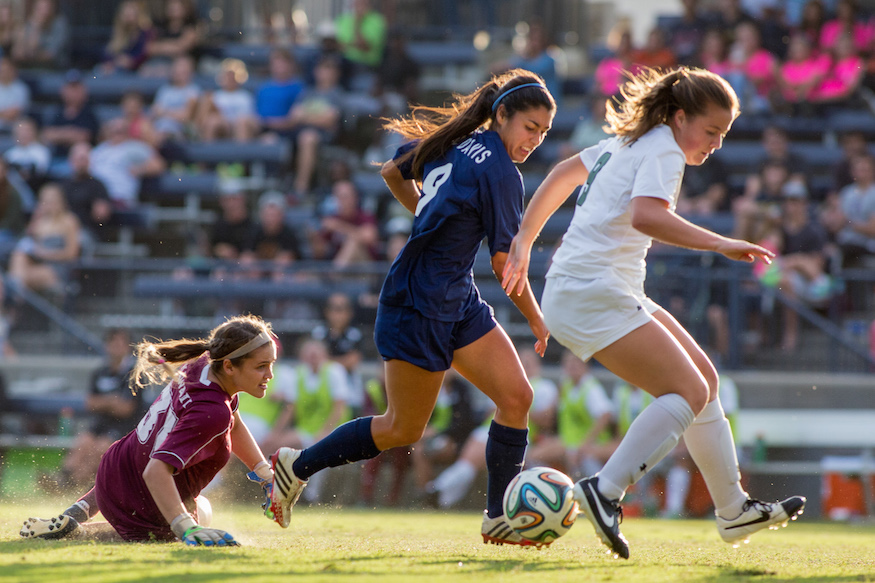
x=287, y=487
x=605, y=515
x=756, y=515
x=498, y=532
x=49, y=528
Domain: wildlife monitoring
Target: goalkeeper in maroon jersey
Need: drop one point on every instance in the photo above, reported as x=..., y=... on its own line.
x=148, y=483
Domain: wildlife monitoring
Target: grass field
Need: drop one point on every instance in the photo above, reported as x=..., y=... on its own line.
x=327, y=544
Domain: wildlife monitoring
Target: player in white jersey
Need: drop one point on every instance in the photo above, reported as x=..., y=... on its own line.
x=594, y=301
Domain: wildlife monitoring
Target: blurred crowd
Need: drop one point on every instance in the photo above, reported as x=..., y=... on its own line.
x=75, y=170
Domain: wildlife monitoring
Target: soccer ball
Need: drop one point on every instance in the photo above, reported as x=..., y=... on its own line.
x=539, y=504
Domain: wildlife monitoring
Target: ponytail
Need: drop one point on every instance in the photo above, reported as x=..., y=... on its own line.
x=157, y=362
x=651, y=98
x=440, y=128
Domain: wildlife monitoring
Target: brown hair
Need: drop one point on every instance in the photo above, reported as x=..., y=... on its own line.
x=155, y=360
x=439, y=128
x=651, y=98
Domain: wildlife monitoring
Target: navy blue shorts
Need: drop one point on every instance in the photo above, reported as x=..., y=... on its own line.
x=407, y=335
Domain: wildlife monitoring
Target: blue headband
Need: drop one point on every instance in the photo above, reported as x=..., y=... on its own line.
x=511, y=90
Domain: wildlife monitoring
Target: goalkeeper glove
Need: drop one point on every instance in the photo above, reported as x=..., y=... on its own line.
x=188, y=531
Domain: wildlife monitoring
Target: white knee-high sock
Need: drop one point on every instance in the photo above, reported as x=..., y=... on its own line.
x=709, y=440
x=650, y=437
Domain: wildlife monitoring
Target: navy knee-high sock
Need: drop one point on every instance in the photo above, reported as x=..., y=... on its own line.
x=349, y=443
x=505, y=453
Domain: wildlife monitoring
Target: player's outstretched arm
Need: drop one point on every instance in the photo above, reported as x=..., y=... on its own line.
x=652, y=217
x=556, y=188
x=158, y=476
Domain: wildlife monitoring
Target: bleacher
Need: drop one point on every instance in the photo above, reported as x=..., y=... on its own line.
x=141, y=292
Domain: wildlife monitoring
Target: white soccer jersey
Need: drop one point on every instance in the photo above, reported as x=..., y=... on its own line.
x=600, y=237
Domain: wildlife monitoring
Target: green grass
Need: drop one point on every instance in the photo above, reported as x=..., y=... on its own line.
x=341, y=544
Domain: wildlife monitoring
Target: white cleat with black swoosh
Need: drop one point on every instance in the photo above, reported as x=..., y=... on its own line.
x=605, y=515
x=287, y=487
x=757, y=515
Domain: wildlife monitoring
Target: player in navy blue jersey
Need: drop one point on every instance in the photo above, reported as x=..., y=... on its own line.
x=458, y=177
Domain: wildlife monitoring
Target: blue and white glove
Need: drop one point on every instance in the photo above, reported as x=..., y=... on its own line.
x=188, y=531
x=262, y=474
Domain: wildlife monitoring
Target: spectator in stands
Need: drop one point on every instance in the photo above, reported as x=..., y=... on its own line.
x=174, y=106
x=853, y=144
x=533, y=55
x=140, y=127
x=802, y=260
x=74, y=121
x=12, y=218
x=44, y=38
x=272, y=239
x=713, y=53
x=801, y=75
x=345, y=342
x=87, y=197
x=850, y=215
x=111, y=406
x=121, y=163
x=844, y=78
x=131, y=33
x=234, y=227
x=229, y=111
x=757, y=210
x=811, y=22
x=609, y=71
x=685, y=34
x=584, y=415
x=848, y=20
x=704, y=191
x=728, y=14
x=452, y=485
x=316, y=402
x=177, y=32
x=14, y=95
x=589, y=131
x=349, y=234
x=314, y=120
x=776, y=143
x=8, y=27
x=30, y=157
x=41, y=259
x=752, y=69
x=276, y=96
x=361, y=33
x=398, y=75
x=655, y=53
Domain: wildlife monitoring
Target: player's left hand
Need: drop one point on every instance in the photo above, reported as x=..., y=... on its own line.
x=208, y=537
x=745, y=251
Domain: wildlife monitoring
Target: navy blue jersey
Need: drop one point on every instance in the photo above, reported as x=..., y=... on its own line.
x=471, y=192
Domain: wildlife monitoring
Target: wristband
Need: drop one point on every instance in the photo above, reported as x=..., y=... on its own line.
x=263, y=471
x=182, y=524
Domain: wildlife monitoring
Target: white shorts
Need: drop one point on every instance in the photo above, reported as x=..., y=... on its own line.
x=587, y=315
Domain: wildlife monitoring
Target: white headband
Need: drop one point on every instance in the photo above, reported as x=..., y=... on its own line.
x=256, y=342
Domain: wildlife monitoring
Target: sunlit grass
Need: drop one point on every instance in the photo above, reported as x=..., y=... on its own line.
x=336, y=544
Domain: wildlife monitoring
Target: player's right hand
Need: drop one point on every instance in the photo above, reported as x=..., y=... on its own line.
x=208, y=537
